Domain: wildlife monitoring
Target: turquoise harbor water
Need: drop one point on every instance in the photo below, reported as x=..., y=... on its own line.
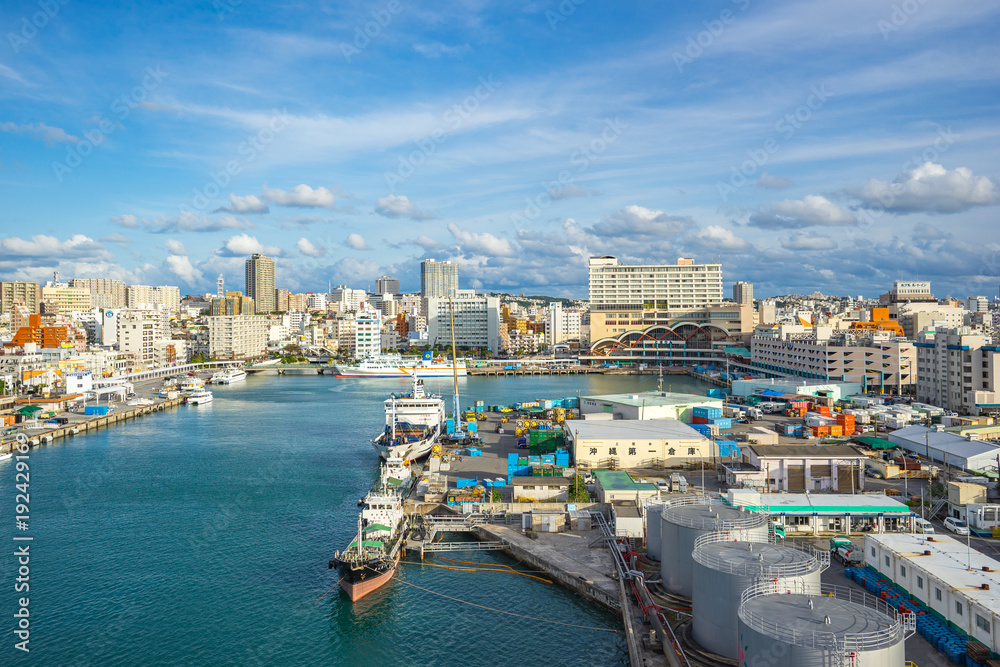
x=201, y=535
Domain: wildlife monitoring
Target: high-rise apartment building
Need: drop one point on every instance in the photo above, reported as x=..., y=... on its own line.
x=977, y=304
x=281, y=300
x=232, y=337
x=561, y=324
x=104, y=292
x=632, y=298
x=147, y=297
x=387, y=285
x=347, y=299
x=438, y=280
x=66, y=299
x=29, y=294
x=138, y=331
x=743, y=293
x=260, y=282
x=958, y=369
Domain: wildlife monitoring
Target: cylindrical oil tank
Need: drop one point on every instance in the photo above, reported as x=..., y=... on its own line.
x=818, y=626
x=724, y=569
x=653, y=509
x=685, y=519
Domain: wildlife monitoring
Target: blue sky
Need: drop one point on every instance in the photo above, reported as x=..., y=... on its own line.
x=805, y=145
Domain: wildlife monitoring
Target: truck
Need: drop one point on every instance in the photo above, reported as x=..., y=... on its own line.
x=847, y=553
x=742, y=412
x=769, y=407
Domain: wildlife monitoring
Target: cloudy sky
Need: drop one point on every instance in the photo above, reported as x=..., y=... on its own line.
x=833, y=146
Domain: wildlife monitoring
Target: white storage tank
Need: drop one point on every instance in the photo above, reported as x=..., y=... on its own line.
x=653, y=509
x=804, y=625
x=724, y=569
x=683, y=520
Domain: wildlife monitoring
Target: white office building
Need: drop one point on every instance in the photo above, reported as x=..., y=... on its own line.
x=477, y=322
x=561, y=324
x=368, y=334
x=137, y=333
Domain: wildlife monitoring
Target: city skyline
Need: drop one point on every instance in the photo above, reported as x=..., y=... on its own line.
x=804, y=146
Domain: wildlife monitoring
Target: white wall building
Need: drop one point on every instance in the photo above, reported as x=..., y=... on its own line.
x=962, y=585
x=477, y=322
x=347, y=300
x=958, y=369
x=316, y=301
x=367, y=334
x=237, y=336
x=636, y=443
x=138, y=331
x=561, y=324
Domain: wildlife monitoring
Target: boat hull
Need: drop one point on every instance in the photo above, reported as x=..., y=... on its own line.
x=400, y=371
x=410, y=451
x=369, y=580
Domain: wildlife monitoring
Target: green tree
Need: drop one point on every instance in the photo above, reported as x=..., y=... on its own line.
x=578, y=491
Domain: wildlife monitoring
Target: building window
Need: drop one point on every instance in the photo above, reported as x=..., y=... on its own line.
x=982, y=623
x=937, y=594
x=920, y=581
x=902, y=570
x=886, y=561
x=958, y=607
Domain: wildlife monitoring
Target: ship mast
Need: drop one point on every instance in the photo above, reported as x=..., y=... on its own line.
x=454, y=358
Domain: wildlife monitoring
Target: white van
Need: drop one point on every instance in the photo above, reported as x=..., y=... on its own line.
x=923, y=526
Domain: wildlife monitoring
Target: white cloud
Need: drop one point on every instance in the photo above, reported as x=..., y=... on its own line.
x=246, y=204
x=929, y=188
x=50, y=248
x=308, y=248
x=399, y=206
x=437, y=49
x=482, y=243
x=244, y=244
x=810, y=211
x=356, y=241
x=719, y=238
x=180, y=266
x=114, y=238
x=175, y=247
x=642, y=222
x=47, y=133
x=426, y=242
x=571, y=190
x=766, y=180
x=300, y=195
x=354, y=271
x=127, y=220
x=806, y=241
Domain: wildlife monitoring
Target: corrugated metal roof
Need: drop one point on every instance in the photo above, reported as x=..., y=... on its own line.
x=918, y=438
x=658, y=429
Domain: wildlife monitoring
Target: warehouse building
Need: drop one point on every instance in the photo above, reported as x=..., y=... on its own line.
x=541, y=489
x=834, y=391
x=635, y=443
x=959, y=584
x=647, y=405
x=948, y=448
x=815, y=513
x=808, y=467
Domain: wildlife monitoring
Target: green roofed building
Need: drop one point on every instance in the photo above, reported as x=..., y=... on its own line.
x=615, y=485
x=874, y=443
x=814, y=513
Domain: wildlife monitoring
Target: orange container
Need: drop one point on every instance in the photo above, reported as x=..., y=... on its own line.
x=836, y=430
x=824, y=410
x=8, y=420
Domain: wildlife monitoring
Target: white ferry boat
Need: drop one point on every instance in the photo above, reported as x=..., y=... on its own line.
x=229, y=376
x=198, y=396
x=412, y=424
x=394, y=365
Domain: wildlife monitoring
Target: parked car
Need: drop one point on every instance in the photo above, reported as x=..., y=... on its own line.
x=662, y=486
x=923, y=526
x=956, y=526
x=871, y=472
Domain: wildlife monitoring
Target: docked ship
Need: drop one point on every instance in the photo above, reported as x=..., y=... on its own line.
x=198, y=396
x=229, y=376
x=395, y=365
x=370, y=560
x=412, y=424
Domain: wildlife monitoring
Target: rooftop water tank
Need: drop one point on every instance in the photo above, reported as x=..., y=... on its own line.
x=811, y=626
x=683, y=520
x=724, y=569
